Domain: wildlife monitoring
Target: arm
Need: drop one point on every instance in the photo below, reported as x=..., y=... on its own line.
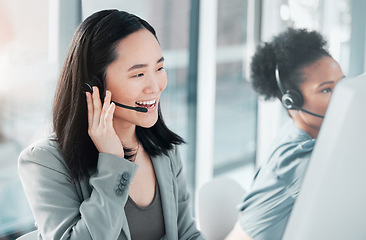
x=238, y=233
x=60, y=211
x=267, y=207
x=67, y=208
x=186, y=224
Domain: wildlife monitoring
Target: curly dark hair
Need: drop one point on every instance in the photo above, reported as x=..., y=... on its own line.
x=290, y=51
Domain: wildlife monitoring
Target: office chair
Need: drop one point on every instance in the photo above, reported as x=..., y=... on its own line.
x=29, y=236
x=216, y=207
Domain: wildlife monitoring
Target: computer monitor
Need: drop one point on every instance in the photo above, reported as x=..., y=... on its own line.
x=332, y=200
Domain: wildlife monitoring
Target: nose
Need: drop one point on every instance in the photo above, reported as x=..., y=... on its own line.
x=154, y=84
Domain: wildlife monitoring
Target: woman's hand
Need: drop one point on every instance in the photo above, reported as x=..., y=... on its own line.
x=100, y=120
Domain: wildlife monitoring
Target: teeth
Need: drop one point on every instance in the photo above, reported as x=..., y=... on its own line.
x=146, y=102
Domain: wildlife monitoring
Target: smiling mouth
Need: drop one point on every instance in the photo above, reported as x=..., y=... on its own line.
x=146, y=104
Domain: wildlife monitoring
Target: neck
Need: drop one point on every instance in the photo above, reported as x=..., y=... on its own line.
x=302, y=123
x=126, y=133
x=308, y=129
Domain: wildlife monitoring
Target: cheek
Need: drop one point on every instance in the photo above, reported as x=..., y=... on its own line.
x=163, y=82
x=325, y=101
x=319, y=104
x=120, y=94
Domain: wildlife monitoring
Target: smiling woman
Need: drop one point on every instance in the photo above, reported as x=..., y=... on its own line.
x=110, y=173
x=137, y=83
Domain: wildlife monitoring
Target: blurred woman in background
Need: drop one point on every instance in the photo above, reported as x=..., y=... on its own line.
x=296, y=68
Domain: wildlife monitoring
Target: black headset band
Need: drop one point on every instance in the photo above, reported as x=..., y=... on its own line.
x=279, y=84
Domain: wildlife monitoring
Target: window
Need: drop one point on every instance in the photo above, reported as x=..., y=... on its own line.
x=26, y=77
x=235, y=112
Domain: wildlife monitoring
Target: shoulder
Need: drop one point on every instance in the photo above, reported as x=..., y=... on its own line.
x=296, y=145
x=174, y=159
x=290, y=158
x=290, y=144
x=43, y=146
x=44, y=152
x=173, y=153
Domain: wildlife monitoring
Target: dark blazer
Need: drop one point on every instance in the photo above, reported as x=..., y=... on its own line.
x=93, y=208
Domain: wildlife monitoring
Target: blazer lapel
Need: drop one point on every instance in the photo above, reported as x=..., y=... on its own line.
x=125, y=228
x=164, y=175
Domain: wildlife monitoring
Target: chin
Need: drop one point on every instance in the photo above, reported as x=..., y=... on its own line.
x=148, y=123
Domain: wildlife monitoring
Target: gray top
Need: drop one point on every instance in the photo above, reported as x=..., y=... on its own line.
x=93, y=207
x=146, y=222
x=267, y=207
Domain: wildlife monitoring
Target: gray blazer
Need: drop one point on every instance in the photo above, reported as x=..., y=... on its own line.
x=93, y=208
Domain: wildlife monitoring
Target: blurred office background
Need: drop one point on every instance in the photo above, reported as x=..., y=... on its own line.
x=207, y=45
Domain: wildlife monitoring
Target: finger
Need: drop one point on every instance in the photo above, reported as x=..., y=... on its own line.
x=97, y=107
x=106, y=105
x=89, y=103
x=109, y=116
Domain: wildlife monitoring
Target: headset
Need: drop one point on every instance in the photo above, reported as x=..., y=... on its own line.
x=88, y=87
x=94, y=80
x=292, y=99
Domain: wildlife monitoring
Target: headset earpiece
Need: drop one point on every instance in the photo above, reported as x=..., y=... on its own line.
x=88, y=87
x=95, y=81
x=292, y=99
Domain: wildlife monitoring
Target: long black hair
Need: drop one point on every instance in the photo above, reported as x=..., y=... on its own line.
x=92, y=49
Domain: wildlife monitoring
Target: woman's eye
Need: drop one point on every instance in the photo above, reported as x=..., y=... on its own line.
x=138, y=75
x=161, y=68
x=327, y=90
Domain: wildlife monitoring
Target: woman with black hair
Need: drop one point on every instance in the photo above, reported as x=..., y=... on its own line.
x=296, y=68
x=111, y=170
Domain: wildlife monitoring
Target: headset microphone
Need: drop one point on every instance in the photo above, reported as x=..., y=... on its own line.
x=138, y=109
x=292, y=99
x=314, y=114
x=88, y=87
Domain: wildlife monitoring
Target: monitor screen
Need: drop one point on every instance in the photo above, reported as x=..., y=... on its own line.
x=332, y=201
